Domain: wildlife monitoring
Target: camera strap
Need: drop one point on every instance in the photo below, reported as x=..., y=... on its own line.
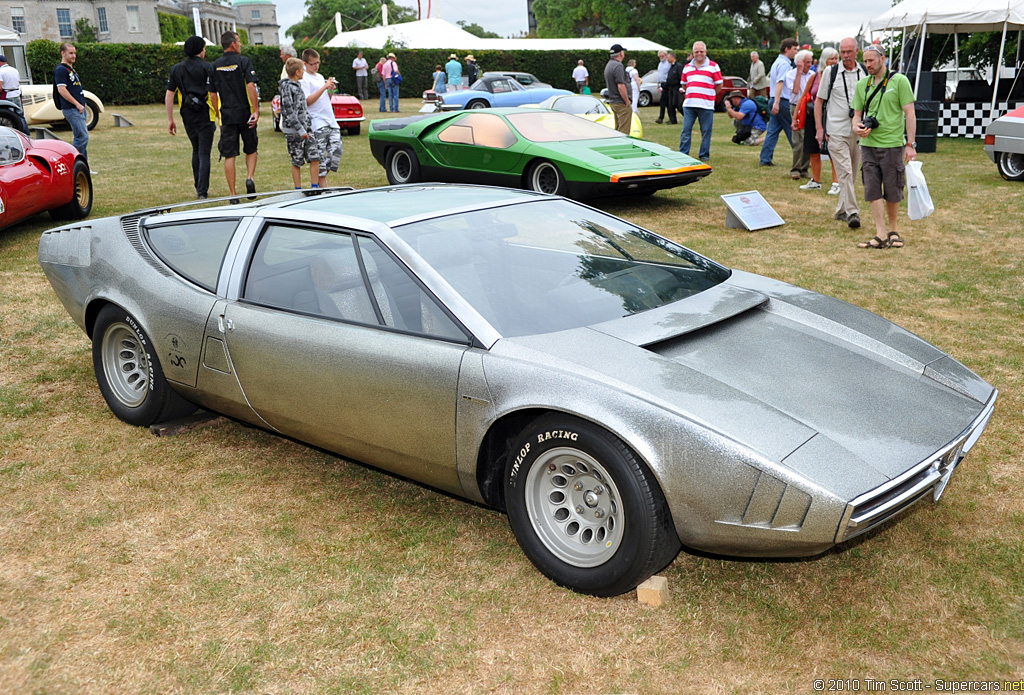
x=881, y=86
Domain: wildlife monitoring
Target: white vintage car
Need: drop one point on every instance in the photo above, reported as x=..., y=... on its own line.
x=37, y=100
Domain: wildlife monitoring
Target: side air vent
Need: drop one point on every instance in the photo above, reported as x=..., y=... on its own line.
x=130, y=225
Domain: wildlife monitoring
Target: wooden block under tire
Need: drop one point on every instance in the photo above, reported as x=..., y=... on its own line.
x=653, y=592
x=200, y=418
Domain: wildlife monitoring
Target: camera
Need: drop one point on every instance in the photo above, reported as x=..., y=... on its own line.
x=851, y=112
x=869, y=122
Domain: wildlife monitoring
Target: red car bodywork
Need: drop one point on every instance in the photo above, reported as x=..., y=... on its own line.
x=40, y=180
x=347, y=111
x=730, y=83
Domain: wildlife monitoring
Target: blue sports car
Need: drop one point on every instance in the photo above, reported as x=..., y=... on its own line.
x=495, y=90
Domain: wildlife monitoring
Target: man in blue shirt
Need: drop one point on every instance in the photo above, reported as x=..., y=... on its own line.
x=750, y=126
x=454, y=69
x=72, y=97
x=780, y=120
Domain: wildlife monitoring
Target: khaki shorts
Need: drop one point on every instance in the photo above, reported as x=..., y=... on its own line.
x=883, y=173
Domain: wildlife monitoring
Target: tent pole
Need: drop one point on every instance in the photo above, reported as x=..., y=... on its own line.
x=999, y=70
x=920, y=55
x=903, y=43
x=956, y=55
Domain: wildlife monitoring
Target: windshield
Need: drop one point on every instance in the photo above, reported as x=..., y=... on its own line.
x=553, y=265
x=554, y=126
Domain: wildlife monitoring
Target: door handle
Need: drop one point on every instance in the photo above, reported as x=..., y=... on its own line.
x=224, y=324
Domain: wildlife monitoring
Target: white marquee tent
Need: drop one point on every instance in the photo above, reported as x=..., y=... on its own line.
x=951, y=17
x=438, y=33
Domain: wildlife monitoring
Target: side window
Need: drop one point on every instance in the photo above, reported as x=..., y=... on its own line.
x=483, y=129
x=12, y=149
x=194, y=250
x=458, y=134
x=403, y=304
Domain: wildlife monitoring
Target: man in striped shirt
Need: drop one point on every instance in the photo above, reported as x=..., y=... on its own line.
x=702, y=79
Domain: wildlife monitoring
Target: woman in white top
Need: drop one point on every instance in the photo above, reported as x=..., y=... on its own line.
x=634, y=77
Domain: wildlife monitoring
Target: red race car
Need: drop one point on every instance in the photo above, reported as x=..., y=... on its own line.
x=347, y=111
x=38, y=175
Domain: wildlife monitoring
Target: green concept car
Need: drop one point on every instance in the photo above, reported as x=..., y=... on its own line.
x=544, y=151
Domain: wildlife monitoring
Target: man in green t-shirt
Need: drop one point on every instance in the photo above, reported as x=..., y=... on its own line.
x=882, y=100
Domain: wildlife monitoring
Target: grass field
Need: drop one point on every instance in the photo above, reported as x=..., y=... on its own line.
x=229, y=560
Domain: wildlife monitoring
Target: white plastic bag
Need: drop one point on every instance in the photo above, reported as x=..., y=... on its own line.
x=919, y=201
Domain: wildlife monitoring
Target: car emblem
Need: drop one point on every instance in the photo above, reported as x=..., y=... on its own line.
x=657, y=164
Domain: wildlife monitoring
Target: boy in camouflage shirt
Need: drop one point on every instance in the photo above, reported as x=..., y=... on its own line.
x=297, y=125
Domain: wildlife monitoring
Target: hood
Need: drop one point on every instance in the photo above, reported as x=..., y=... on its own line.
x=619, y=155
x=839, y=395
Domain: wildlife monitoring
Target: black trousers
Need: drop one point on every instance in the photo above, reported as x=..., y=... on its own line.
x=672, y=101
x=200, y=134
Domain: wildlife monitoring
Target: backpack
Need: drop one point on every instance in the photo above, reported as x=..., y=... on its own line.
x=762, y=107
x=375, y=73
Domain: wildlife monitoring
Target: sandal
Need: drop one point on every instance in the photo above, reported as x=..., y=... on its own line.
x=874, y=242
x=895, y=240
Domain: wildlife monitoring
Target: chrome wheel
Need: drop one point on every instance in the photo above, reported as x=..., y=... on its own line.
x=545, y=178
x=574, y=507
x=126, y=365
x=1011, y=166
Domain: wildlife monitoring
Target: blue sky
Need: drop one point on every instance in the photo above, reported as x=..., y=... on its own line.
x=829, y=20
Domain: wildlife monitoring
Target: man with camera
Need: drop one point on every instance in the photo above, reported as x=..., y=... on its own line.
x=881, y=102
x=833, y=119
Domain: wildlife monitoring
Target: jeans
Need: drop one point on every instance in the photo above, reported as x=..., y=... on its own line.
x=705, y=117
x=81, y=133
x=382, y=87
x=392, y=90
x=779, y=122
x=201, y=136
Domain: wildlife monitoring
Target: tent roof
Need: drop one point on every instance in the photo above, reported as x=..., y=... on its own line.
x=8, y=35
x=438, y=33
x=952, y=16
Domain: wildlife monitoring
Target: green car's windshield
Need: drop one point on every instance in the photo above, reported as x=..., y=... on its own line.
x=554, y=126
x=552, y=265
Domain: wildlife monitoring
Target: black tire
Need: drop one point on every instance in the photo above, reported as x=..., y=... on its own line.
x=128, y=371
x=1010, y=165
x=586, y=512
x=80, y=204
x=477, y=104
x=545, y=177
x=92, y=114
x=644, y=99
x=354, y=129
x=10, y=121
x=402, y=166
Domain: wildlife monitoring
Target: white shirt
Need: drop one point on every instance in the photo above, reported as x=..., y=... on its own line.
x=320, y=110
x=360, y=65
x=837, y=110
x=10, y=79
x=580, y=73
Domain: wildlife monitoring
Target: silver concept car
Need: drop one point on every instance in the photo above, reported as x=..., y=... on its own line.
x=617, y=394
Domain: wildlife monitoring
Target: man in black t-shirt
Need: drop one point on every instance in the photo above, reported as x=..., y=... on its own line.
x=235, y=84
x=192, y=81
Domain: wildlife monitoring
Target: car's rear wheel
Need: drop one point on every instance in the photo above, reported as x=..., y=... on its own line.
x=644, y=99
x=92, y=114
x=80, y=204
x=128, y=371
x=477, y=104
x=545, y=177
x=402, y=166
x=585, y=510
x=1011, y=165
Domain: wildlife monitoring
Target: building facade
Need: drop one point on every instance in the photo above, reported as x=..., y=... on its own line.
x=136, y=21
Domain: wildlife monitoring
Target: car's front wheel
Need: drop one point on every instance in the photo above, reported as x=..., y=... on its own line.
x=92, y=114
x=545, y=177
x=644, y=99
x=585, y=510
x=402, y=166
x=477, y=104
x=80, y=204
x=128, y=371
x=1011, y=165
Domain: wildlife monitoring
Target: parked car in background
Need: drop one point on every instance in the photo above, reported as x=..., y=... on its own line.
x=589, y=107
x=730, y=83
x=618, y=395
x=10, y=116
x=41, y=175
x=347, y=111
x=494, y=91
x=524, y=78
x=1004, y=144
x=37, y=100
x=649, y=93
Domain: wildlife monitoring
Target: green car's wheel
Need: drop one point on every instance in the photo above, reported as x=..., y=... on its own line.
x=402, y=166
x=544, y=177
x=477, y=104
x=585, y=510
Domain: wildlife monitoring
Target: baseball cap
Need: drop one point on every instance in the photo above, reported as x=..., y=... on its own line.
x=617, y=48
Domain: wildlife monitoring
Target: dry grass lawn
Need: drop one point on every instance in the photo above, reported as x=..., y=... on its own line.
x=227, y=559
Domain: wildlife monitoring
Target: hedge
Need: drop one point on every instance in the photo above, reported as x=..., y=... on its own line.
x=136, y=73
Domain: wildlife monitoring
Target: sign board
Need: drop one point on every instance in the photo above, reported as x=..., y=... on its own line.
x=748, y=210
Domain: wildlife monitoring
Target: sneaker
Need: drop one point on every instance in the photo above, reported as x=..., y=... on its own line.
x=706, y=160
x=811, y=185
x=766, y=164
x=842, y=216
x=250, y=187
x=853, y=220
x=835, y=188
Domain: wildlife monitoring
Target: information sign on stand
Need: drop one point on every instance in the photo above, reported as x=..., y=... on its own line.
x=749, y=211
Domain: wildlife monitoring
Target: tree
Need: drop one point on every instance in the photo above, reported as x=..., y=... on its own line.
x=477, y=30
x=672, y=22
x=355, y=14
x=85, y=32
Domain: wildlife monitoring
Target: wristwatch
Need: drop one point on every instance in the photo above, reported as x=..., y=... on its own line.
x=913, y=144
